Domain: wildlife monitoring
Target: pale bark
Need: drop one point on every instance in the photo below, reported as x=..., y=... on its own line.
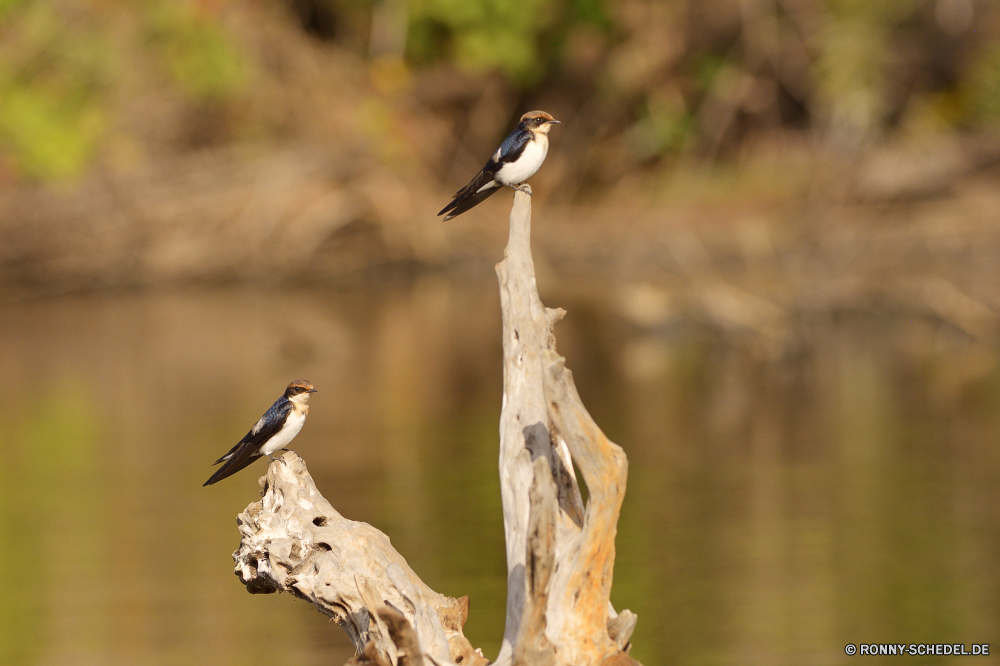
x=294, y=541
x=568, y=619
x=560, y=554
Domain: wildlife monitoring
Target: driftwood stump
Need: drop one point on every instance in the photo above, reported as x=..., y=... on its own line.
x=560, y=553
x=294, y=541
x=560, y=556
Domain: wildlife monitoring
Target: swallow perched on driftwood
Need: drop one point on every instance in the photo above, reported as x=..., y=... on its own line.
x=515, y=161
x=275, y=430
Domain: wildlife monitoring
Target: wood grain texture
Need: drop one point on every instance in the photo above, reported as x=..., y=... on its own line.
x=294, y=541
x=543, y=420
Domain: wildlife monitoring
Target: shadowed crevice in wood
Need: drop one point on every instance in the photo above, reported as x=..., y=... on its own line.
x=539, y=443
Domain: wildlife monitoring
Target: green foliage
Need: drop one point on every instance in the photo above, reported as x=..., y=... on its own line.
x=664, y=125
x=506, y=35
x=851, y=57
x=981, y=91
x=51, y=116
x=6, y=5
x=69, y=68
x=199, y=55
x=62, y=70
x=591, y=11
x=706, y=70
x=51, y=136
x=484, y=34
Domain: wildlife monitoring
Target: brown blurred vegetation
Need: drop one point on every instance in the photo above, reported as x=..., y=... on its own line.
x=265, y=140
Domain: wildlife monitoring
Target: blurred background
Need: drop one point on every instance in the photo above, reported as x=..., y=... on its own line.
x=775, y=225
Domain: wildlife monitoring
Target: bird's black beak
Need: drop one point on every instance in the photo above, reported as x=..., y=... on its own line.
x=554, y=122
x=312, y=390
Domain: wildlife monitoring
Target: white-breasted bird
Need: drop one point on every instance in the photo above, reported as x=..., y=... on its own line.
x=275, y=430
x=515, y=161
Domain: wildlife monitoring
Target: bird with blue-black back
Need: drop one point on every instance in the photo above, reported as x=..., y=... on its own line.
x=516, y=160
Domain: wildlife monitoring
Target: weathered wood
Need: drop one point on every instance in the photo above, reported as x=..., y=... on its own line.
x=533, y=647
x=582, y=587
x=523, y=404
x=542, y=418
x=294, y=541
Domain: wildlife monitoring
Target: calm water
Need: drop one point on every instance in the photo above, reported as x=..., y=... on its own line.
x=781, y=503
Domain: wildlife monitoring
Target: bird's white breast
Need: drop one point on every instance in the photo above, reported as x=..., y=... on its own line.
x=520, y=170
x=287, y=433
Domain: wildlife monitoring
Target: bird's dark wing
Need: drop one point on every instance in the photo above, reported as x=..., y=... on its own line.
x=264, y=429
x=481, y=187
x=247, y=449
x=233, y=465
x=513, y=146
x=484, y=185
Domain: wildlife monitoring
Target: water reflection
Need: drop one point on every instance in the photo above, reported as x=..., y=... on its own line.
x=780, y=505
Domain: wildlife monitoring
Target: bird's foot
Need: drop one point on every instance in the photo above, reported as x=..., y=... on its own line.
x=523, y=187
x=280, y=459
